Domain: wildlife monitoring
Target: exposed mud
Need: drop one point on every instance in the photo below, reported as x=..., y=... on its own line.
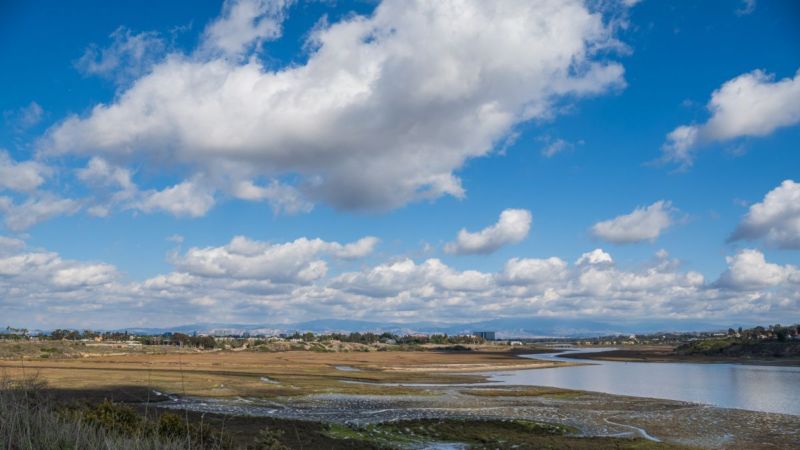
x=592, y=414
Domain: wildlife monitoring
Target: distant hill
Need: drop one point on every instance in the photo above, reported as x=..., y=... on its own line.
x=532, y=327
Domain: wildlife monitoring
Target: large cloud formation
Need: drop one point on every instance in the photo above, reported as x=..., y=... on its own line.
x=752, y=104
x=252, y=281
x=384, y=111
x=294, y=261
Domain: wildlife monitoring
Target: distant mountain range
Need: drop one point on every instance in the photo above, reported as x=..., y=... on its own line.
x=536, y=327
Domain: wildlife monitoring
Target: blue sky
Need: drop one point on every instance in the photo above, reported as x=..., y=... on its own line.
x=141, y=138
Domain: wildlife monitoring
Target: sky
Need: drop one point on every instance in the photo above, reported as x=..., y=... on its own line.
x=274, y=161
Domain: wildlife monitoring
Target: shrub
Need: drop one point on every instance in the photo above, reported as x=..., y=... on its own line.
x=269, y=440
x=30, y=420
x=116, y=418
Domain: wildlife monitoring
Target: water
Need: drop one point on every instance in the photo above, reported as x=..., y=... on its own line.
x=756, y=388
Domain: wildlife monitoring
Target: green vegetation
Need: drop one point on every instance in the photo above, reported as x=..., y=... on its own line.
x=179, y=339
x=774, y=341
x=14, y=334
x=738, y=347
x=123, y=420
x=483, y=434
x=372, y=338
x=320, y=341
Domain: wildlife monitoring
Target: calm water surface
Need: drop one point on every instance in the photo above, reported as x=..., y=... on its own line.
x=756, y=388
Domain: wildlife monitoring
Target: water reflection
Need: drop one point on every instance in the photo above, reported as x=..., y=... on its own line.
x=757, y=388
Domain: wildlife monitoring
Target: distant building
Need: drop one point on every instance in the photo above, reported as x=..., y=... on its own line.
x=486, y=335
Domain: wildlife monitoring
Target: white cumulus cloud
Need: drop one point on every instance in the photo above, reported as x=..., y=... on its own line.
x=752, y=104
x=84, y=275
x=245, y=279
x=748, y=269
x=188, y=198
x=23, y=176
x=534, y=271
x=294, y=261
x=512, y=227
x=406, y=276
x=10, y=245
x=35, y=209
x=644, y=223
x=244, y=24
x=596, y=256
x=283, y=198
x=776, y=219
x=384, y=112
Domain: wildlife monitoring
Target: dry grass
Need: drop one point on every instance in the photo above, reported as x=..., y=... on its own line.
x=29, y=421
x=225, y=374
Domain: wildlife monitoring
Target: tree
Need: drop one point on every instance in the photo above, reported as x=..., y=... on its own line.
x=782, y=334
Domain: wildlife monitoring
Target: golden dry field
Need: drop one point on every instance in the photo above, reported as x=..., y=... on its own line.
x=265, y=374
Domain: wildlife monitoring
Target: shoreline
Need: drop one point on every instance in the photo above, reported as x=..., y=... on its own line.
x=654, y=356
